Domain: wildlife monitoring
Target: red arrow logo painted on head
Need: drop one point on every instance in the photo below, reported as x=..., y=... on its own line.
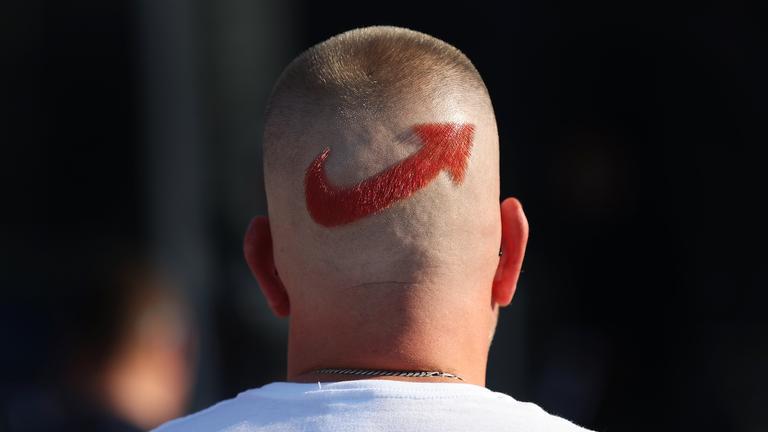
x=446, y=147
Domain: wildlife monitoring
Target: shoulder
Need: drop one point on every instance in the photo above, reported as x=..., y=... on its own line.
x=211, y=418
x=535, y=416
x=254, y=408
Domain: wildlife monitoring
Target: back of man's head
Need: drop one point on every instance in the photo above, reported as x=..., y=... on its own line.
x=383, y=242
x=364, y=102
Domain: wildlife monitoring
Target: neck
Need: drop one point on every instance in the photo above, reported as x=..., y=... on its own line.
x=406, y=334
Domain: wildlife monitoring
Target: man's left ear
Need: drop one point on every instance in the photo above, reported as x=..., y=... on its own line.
x=257, y=247
x=514, y=238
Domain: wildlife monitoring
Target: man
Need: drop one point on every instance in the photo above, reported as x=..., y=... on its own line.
x=385, y=244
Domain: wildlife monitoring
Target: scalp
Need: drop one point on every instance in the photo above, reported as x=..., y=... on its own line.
x=363, y=95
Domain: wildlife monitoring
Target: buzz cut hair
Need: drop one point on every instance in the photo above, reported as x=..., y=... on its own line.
x=372, y=69
x=374, y=96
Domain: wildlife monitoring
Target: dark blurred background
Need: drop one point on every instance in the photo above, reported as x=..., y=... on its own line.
x=631, y=132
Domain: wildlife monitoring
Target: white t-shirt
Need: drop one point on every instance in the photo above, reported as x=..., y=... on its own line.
x=371, y=405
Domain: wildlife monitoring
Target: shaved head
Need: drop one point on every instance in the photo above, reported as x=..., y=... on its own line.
x=381, y=169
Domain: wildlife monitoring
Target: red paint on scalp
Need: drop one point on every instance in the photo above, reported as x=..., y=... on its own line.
x=446, y=146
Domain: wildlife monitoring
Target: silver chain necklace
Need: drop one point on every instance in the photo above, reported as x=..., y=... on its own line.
x=375, y=372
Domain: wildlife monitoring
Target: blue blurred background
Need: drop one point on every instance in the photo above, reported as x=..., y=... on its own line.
x=632, y=133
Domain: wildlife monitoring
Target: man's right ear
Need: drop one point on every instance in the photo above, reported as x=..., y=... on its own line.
x=257, y=247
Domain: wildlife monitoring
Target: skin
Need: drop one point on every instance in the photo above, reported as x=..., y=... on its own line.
x=416, y=286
